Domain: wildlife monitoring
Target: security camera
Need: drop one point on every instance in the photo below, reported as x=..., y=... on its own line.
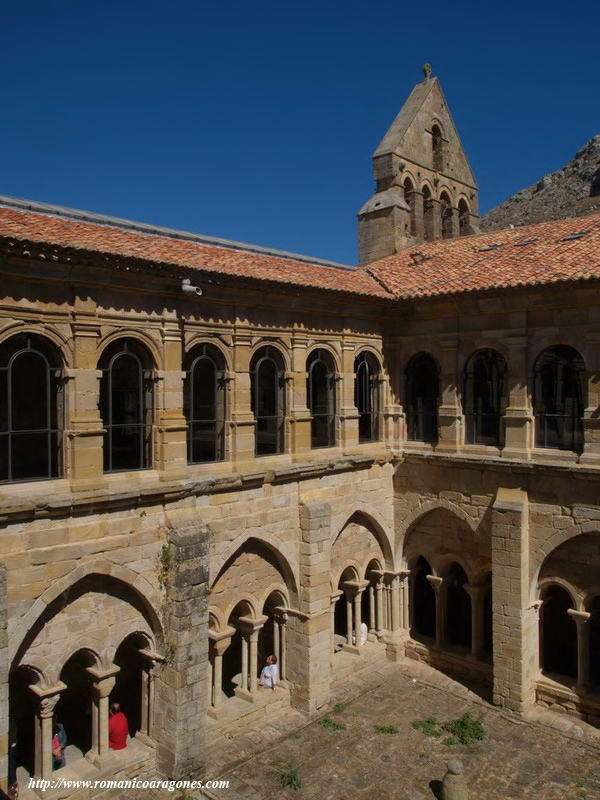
x=186, y=286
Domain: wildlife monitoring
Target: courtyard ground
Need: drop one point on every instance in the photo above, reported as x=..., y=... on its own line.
x=516, y=759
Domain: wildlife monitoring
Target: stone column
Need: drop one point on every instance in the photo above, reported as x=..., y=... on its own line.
x=334, y=599
x=220, y=641
x=449, y=413
x=171, y=426
x=395, y=602
x=440, y=610
x=348, y=411
x=182, y=684
x=242, y=418
x=379, y=605
x=358, y=617
x=103, y=682
x=308, y=665
x=244, y=674
x=283, y=647
x=4, y=661
x=372, y=614
x=436, y=218
x=249, y=628
x=581, y=619
x=591, y=420
x=395, y=640
x=148, y=694
x=253, y=661
x=47, y=698
x=455, y=221
x=476, y=593
x=349, y=621
x=416, y=204
x=514, y=620
x=84, y=431
x=300, y=417
x=277, y=641
x=404, y=595
x=518, y=418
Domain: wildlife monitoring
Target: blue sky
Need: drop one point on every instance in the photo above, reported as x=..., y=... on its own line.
x=256, y=121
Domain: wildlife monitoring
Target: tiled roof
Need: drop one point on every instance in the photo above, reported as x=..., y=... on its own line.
x=548, y=252
x=63, y=231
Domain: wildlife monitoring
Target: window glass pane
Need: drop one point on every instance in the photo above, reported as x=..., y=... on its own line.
x=30, y=456
x=320, y=388
x=126, y=391
x=4, y=446
x=267, y=436
x=204, y=377
x=126, y=447
x=3, y=400
x=29, y=379
x=322, y=430
x=203, y=441
x=267, y=389
x=422, y=400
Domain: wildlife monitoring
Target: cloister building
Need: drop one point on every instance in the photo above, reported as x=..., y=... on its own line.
x=212, y=452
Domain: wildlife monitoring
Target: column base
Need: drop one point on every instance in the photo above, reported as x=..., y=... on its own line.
x=244, y=694
x=88, y=484
x=591, y=459
x=520, y=454
x=395, y=646
x=98, y=760
x=351, y=648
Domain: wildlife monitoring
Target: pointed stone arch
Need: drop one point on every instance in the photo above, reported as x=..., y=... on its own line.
x=132, y=581
x=367, y=516
x=282, y=552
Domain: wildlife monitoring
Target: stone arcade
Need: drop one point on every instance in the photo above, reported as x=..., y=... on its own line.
x=190, y=483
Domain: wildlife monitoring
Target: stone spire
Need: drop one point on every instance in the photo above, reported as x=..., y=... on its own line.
x=425, y=188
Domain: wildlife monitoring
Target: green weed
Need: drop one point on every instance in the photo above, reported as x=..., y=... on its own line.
x=390, y=729
x=331, y=725
x=289, y=778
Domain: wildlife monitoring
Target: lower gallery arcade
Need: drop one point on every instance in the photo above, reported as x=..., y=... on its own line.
x=349, y=590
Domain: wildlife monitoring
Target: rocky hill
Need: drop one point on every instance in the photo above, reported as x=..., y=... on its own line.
x=570, y=191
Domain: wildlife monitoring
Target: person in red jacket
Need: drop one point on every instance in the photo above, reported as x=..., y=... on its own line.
x=118, y=728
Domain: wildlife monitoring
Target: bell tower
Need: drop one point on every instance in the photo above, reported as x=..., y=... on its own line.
x=424, y=186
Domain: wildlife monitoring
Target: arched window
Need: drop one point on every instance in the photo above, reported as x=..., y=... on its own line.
x=437, y=148
x=422, y=391
x=423, y=597
x=268, y=400
x=594, y=642
x=463, y=218
x=320, y=390
x=484, y=397
x=558, y=398
x=366, y=396
x=31, y=409
x=410, y=201
x=447, y=214
x=558, y=633
x=458, y=608
x=204, y=404
x=427, y=214
x=126, y=405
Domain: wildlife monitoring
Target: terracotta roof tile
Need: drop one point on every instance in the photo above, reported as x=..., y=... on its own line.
x=528, y=255
x=61, y=231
